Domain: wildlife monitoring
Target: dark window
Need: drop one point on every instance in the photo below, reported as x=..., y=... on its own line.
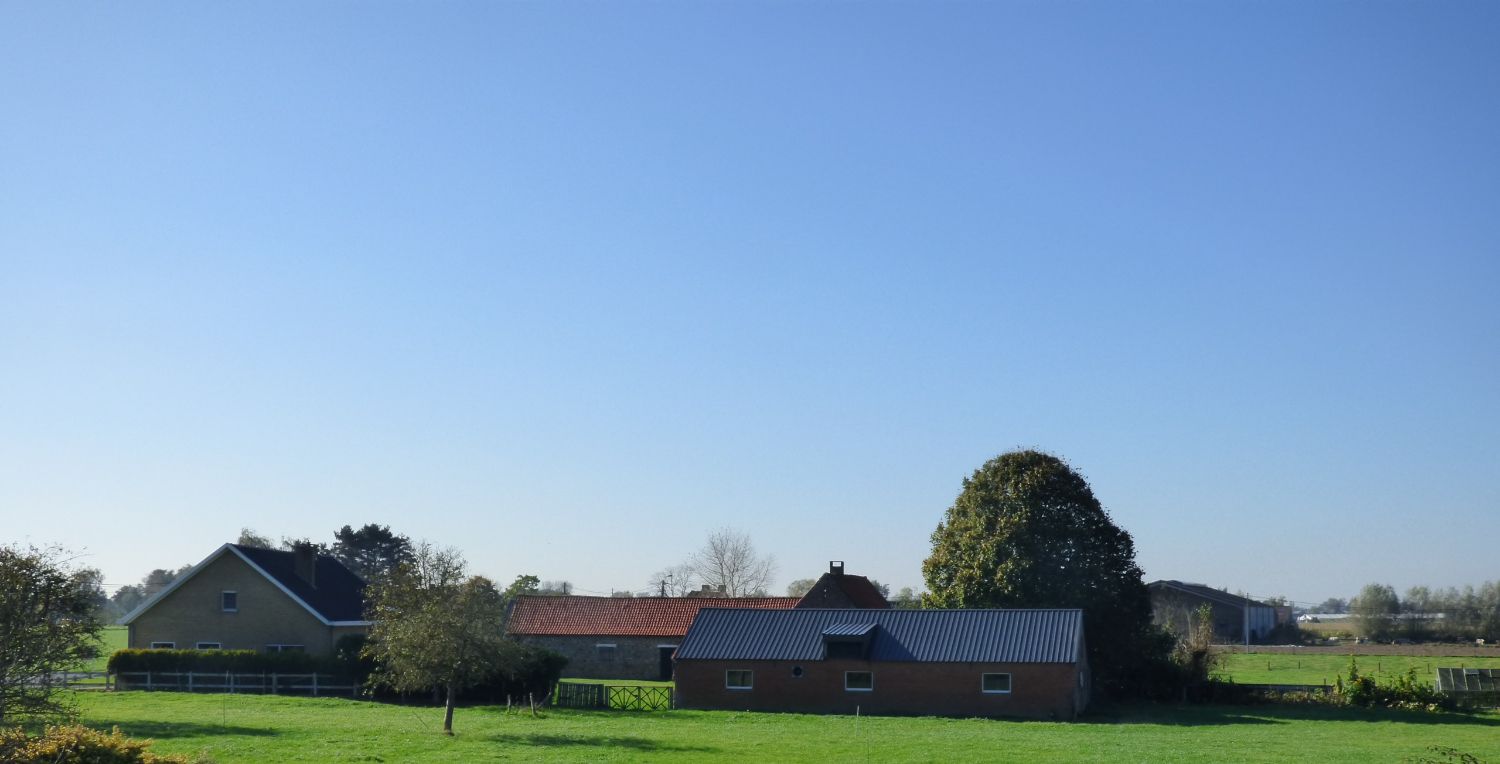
x=285, y=648
x=797, y=671
x=209, y=645
x=859, y=681
x=230, y=601
x=846, y=650
x=739, y=679
x=995, y=684
x=163, y=645
x=605, y=652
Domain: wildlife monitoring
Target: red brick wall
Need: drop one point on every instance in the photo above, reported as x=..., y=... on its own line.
x=1038, y=690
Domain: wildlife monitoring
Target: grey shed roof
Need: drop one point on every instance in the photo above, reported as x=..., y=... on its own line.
x=936, y=636
x=1468, y=680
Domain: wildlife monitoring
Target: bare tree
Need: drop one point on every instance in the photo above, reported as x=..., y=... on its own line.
x=675, y=581
x=729, y=560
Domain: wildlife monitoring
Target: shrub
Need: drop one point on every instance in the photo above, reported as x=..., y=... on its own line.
x=215, y=661
x=532, y=671
x=1405, y=691
x=74, y=743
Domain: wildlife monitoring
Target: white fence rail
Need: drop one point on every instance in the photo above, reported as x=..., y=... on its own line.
x=226, y=681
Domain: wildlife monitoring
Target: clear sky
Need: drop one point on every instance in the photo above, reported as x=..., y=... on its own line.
x=569, y=285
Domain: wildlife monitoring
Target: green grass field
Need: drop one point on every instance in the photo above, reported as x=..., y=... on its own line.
x=112, y=638
x=249, y=728
x=1317, y=668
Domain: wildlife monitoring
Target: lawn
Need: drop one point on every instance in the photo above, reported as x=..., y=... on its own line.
x=1318, y=668
x=249, y=728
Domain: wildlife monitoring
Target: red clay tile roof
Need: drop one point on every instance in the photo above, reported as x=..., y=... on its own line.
x=623, y=616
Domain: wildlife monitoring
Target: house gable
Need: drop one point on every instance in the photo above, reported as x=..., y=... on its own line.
x=338, y=606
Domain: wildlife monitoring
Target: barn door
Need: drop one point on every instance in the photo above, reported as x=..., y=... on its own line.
x=666, y=661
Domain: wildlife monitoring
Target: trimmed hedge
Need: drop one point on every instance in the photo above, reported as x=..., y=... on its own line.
x=215, y=661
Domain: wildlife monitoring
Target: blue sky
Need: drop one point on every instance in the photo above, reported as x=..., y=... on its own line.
x=569, y=285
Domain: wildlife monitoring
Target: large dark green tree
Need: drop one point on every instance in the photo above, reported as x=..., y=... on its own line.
x=372, y=552
x=1027, y=532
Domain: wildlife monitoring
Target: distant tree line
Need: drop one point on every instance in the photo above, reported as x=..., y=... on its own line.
x=1426, y=614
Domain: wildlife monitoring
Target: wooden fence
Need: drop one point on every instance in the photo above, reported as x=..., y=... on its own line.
x=619, y=697
x=201, y=681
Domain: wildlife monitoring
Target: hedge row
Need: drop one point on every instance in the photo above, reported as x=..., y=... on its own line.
x=215, y=661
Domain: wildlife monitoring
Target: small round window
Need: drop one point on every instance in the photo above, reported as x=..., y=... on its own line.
x=797, y=671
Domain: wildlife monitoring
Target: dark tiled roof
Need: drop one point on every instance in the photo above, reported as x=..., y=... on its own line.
x=621, y=616
x=858, y=589
x=339, y=595
x=1206, y=592
x=979, y=636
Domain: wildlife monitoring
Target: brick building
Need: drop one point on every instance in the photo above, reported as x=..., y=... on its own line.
x=1027, y=663
x=244, y=598
x=617, y=637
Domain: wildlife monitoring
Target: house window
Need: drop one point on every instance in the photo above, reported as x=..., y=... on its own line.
x=606, y=653
x=209, y=645
x=739, y=679
x=163, y=645
x=995, y=684
x=230, y=601
x=859, y=681
x=285, y=648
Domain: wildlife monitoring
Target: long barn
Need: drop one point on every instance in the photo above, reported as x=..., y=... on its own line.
x=1028, y=663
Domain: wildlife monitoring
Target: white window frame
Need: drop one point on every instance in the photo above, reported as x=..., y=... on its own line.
x=749, y=675
x=236, y=607
x=209, y=646
x=163, y=645
x=1008, y=683
x=606, y=651
x=847, y=688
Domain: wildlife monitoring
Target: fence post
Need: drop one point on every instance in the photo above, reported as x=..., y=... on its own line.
x=229, y=680
x=148, y=681
x=274, y=690
x=190, y=681
x=315, y=684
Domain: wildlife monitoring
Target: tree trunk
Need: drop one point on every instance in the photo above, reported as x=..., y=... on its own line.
x=448, y=712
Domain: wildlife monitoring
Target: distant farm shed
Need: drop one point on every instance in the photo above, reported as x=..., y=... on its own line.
x=1235, y=618
x=1028, y=663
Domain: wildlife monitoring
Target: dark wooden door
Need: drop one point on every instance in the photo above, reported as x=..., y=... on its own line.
x=666, y=662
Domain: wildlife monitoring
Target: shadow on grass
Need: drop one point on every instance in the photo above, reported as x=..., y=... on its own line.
x=1215, y=715
x=630, y=743
x=164, y=730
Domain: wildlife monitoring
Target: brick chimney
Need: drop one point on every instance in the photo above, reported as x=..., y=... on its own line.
x=836, y=567
x=305, y=563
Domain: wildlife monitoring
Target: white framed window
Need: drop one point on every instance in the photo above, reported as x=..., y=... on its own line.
x=605, y=652
x=209, y=646
x=994, y=684
x=163, y=645
x=739, y=679
x=859, y=681
x=285, y=648
x=229, y=602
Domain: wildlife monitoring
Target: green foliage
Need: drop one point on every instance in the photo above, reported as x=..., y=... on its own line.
x=1403, y=691
x=1375, y=611
x=237, y=661
x=64, y=745
x=1026, y=531
x=435, y=627
x=49, y=623
x=1194, y=652
x=530, y=671
x=372, y=552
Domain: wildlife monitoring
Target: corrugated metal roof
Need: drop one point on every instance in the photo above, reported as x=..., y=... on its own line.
x=1468, y=680
x=988, y=636
x=849, y=629
x=1207, y=592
